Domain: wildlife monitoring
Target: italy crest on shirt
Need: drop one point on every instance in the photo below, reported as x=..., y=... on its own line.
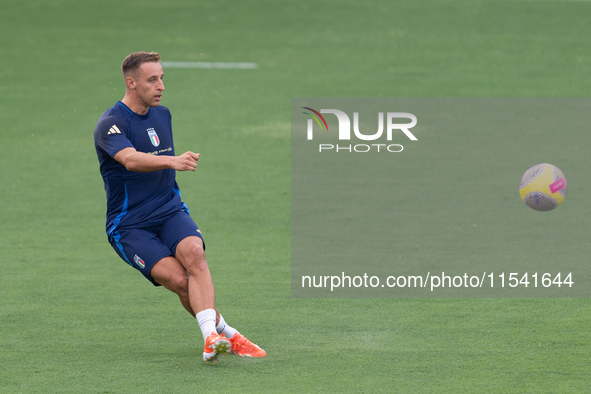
x=153, y=136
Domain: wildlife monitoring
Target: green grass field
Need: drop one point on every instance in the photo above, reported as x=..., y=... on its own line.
x=74, y=318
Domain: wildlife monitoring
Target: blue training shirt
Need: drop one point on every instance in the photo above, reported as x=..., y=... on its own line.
x=136, y=199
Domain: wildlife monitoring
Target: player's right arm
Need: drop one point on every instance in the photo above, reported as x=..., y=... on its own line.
x=110, y=136
x=142, y=162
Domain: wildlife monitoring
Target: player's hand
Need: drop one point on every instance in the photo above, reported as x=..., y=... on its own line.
x=186, y=162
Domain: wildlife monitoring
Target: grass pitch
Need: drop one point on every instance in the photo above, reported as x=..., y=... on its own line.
x=74, y=318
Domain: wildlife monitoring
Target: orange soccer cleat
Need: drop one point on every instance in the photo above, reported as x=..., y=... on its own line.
x=244, y=348
x=214, y=346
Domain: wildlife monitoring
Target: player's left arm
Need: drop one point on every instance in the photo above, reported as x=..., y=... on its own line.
x=142, y=162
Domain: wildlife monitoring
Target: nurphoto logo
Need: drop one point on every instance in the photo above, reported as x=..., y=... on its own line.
x=344, y=130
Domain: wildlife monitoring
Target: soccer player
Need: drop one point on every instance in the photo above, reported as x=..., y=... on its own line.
x=147, y=223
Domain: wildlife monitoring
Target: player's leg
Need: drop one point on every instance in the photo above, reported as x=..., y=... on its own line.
x=190, y=252
x=172, y=275
x=183, y=237
x=201, y=293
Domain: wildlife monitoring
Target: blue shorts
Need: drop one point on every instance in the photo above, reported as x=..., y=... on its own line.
x=143, y=247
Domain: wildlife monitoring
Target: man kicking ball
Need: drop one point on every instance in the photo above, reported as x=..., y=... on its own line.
x=147, y=223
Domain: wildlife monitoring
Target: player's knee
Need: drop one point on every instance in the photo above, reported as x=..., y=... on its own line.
x=194, y=257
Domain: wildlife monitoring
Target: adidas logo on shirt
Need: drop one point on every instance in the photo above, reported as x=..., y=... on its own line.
x=114, y=130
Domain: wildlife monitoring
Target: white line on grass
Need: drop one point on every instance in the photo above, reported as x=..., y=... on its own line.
x=209, y=65
x=570, y=1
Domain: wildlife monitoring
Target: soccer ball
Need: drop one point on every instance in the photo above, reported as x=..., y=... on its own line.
x=543, y=187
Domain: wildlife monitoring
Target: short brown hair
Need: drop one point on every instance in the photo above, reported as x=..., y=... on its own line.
x=133, y=61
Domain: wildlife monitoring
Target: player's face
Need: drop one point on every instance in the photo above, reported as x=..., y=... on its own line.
x=149, y=85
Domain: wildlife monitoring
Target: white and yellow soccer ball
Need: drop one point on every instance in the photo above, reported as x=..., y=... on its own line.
x=543, y=187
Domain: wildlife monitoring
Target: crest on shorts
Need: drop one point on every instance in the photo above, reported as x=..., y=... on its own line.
x=139, y=261
x=153, y=136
